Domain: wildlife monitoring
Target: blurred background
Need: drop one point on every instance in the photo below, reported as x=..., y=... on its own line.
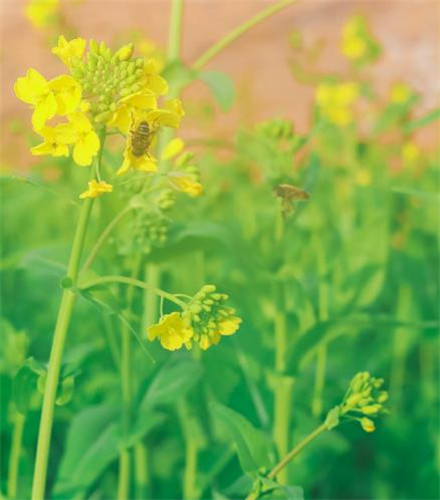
x=261, y=63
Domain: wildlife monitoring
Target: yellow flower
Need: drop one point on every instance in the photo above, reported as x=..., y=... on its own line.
x=410, y=153
x=34, y=89
x=172, y=331
x=96, y=189
x=173, y=148
x=152, y=80
x=143, y=163
x=69, y=51
x=363, y=177
x=357, y=44
x=367, y=424
x=229, y=326
x=41, y=13
x=170, y=116
x=185, y=183
x=52, y=144
x=67, y=92
x=400, y=93
x=79, y=132
x=130, y=107
x=336, y=100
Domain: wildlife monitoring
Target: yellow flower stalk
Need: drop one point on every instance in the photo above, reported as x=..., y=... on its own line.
x=96, y=188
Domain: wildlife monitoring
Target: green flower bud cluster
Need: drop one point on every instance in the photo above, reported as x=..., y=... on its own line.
x=277, y=129
x=210, y=317
x=364, y=399
x=106, y=77
x=147, y=230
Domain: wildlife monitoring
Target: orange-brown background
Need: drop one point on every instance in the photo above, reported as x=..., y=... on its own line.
x=258, y=62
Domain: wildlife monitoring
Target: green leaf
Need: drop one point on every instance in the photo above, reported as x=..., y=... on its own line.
x=422, y=122
x=253, y=446
x=172, y=381
x=24, y=386
x=221, y=86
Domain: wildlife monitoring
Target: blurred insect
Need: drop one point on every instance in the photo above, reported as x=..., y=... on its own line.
x=141, y=138
x=288, y=194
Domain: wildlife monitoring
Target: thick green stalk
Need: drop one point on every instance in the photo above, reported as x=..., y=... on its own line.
x=190, y=490
x=14, y=457
x=53, y=372
x=240, y=30
x=175, y=33
x=59, y=339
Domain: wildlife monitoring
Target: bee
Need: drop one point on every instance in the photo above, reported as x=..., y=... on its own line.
x=288, y=194
x=141, y=138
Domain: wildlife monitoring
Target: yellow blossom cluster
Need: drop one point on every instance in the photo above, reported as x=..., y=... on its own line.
x=336, y=100
x=202, y=322
x=357, y=43
x=104, y=90
x=364, y=400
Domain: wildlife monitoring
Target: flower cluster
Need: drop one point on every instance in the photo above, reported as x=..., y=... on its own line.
x=363, y=401
x=104, y=90
x=336, y=100
x=203, y=321
x=357, y=42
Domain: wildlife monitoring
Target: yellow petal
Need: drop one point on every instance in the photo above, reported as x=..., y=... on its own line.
x=173, y=148
x=43, y=112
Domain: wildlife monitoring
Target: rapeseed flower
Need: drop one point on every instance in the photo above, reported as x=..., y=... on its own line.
x=69, y=52
x=185, y=176
x=203, y=322
x=400, y=93
x=80, y=132
x=53, y=143
x=336, y=101
x=357, y=43
x=410, y=153
x=96, y=188
x=172, y=331
x=42, y=14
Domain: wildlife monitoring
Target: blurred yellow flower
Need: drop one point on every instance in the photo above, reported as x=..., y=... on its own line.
x=96, y=189
x=363, y=177
x=80, y=132
x=186, y=184
x=52, y=144
x=229, y=326
x=400, y=93
x=34, y=89
x=69, y=51
x=336, y=100
x=410, y=153
x=367, y=424
x=357, y=43
x=42, y=13
x=172, y=331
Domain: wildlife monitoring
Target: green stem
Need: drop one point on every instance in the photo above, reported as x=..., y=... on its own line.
x=190, y=490
x=323, y=315
x=133, y=282
x=175, y=33
x=103, y=237
x=240, y=30
x=291, y=455
x=141, y=476
x=61, y=327
x=14, y=457
x=126, y=389
x=64, y=315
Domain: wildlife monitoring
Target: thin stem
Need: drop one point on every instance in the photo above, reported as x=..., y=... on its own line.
x=187, y=422
x=14, y=457
x=103, y=237
x=290, y=456
x=141, y=476
x=62, y=324
x=175, y=33
x=133, y=282
x=240, y=30
x=126, y=389
x=296, y=450
x=323, y=314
